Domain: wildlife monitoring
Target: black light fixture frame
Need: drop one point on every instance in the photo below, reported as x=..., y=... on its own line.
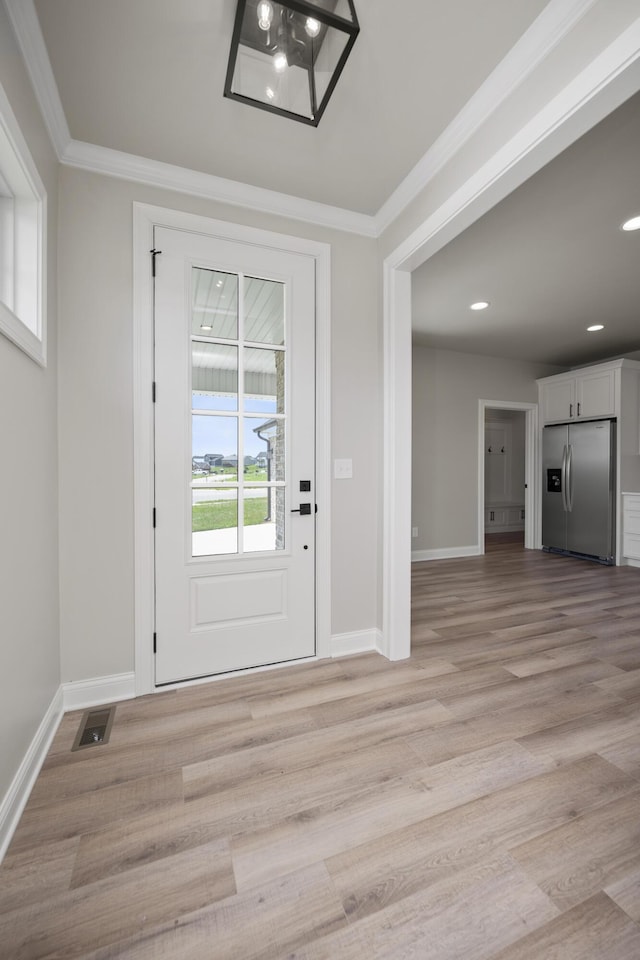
x=327, y=19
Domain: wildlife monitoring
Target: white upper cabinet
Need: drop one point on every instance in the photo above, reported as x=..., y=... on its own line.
x=558, y=399
x=581, y=395
x=596, y=393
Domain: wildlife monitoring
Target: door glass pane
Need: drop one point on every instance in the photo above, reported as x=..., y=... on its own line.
x=221, y=457
x=264, y=520
x=214, y=446
x=264, y=448
x=264, y=380
x=214, y=310
x=214, y=521
x=263, y=311
x=214, y=376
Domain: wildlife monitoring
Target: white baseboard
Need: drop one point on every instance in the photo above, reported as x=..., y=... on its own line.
x=445, y=553
x=79, y=694
x=17, y=795
x=359, y=641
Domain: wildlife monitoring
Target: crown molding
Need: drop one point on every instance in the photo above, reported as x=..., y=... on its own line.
x=155, y=173
x=114, y=163
x=26, y=25
x=556, y=20
x=602, y=86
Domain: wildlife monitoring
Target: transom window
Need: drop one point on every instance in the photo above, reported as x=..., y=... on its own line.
x=23, y=207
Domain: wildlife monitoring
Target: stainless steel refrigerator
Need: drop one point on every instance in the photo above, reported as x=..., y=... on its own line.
x=578, y=489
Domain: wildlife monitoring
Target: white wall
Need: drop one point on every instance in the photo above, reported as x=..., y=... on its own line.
x=446, y=389
x=29, y=639
x=96, y=417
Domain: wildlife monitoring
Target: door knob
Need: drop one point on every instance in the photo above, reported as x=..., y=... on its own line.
x=304, y=509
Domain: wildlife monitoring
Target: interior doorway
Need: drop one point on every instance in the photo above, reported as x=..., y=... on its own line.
x=504, y=476
x=508, y=497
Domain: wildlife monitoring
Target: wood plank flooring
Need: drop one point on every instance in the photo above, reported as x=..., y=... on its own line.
x=480, y=801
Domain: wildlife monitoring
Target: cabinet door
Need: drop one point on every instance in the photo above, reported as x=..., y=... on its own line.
x=559, y=400
x=631, y=527
x=596, y=395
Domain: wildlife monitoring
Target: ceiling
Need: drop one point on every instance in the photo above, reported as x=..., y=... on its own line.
x=550, y=258
x=145, y=77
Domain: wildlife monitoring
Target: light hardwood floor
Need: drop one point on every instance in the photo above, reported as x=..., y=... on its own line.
x=480, y=801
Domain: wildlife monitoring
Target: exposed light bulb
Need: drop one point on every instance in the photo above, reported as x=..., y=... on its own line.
x=594, y=327
x=480, y=305
x=280, y=62
x=265, y=14
x=632, y=224
x=312, y=27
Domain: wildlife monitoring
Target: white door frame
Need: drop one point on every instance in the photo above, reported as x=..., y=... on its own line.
x=601, y=87
x=531, y=468
x=145, y=218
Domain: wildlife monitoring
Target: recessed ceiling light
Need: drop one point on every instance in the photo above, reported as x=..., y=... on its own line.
x=479, y=305
x=632, y=224
x=594, y=327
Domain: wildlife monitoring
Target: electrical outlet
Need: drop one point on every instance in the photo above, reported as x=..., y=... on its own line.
x=414, y=532
x=343, y=469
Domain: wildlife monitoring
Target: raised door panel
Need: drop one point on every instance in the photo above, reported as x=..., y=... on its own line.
x=596, y=395
x=558, y=400
x=631, y=546
x=631, y=527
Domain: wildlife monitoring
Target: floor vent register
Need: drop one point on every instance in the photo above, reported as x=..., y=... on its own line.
x=95, y=728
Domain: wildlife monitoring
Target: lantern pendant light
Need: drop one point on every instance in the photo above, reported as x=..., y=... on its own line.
x=286, y=57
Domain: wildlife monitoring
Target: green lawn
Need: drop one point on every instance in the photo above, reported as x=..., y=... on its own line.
x=221, y=514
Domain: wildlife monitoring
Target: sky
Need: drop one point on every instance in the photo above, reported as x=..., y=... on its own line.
x=214, y=434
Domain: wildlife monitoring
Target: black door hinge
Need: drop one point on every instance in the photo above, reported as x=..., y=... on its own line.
x=153, y=392
x=154, y=253
x=155, y=642
x=154, y=518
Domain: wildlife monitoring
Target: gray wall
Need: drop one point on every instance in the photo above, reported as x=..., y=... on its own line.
x=29, y=637
x=446, y=389
x=96, y=417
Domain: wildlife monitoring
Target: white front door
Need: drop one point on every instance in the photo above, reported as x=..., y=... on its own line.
x=234, y=455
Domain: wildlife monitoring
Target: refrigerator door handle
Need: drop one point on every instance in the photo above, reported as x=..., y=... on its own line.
x=563, y=478
x=569, y=479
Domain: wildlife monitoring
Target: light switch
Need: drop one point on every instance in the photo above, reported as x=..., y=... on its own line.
x=343, y=469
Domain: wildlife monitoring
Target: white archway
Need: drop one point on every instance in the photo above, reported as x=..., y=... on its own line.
x=611, y=79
